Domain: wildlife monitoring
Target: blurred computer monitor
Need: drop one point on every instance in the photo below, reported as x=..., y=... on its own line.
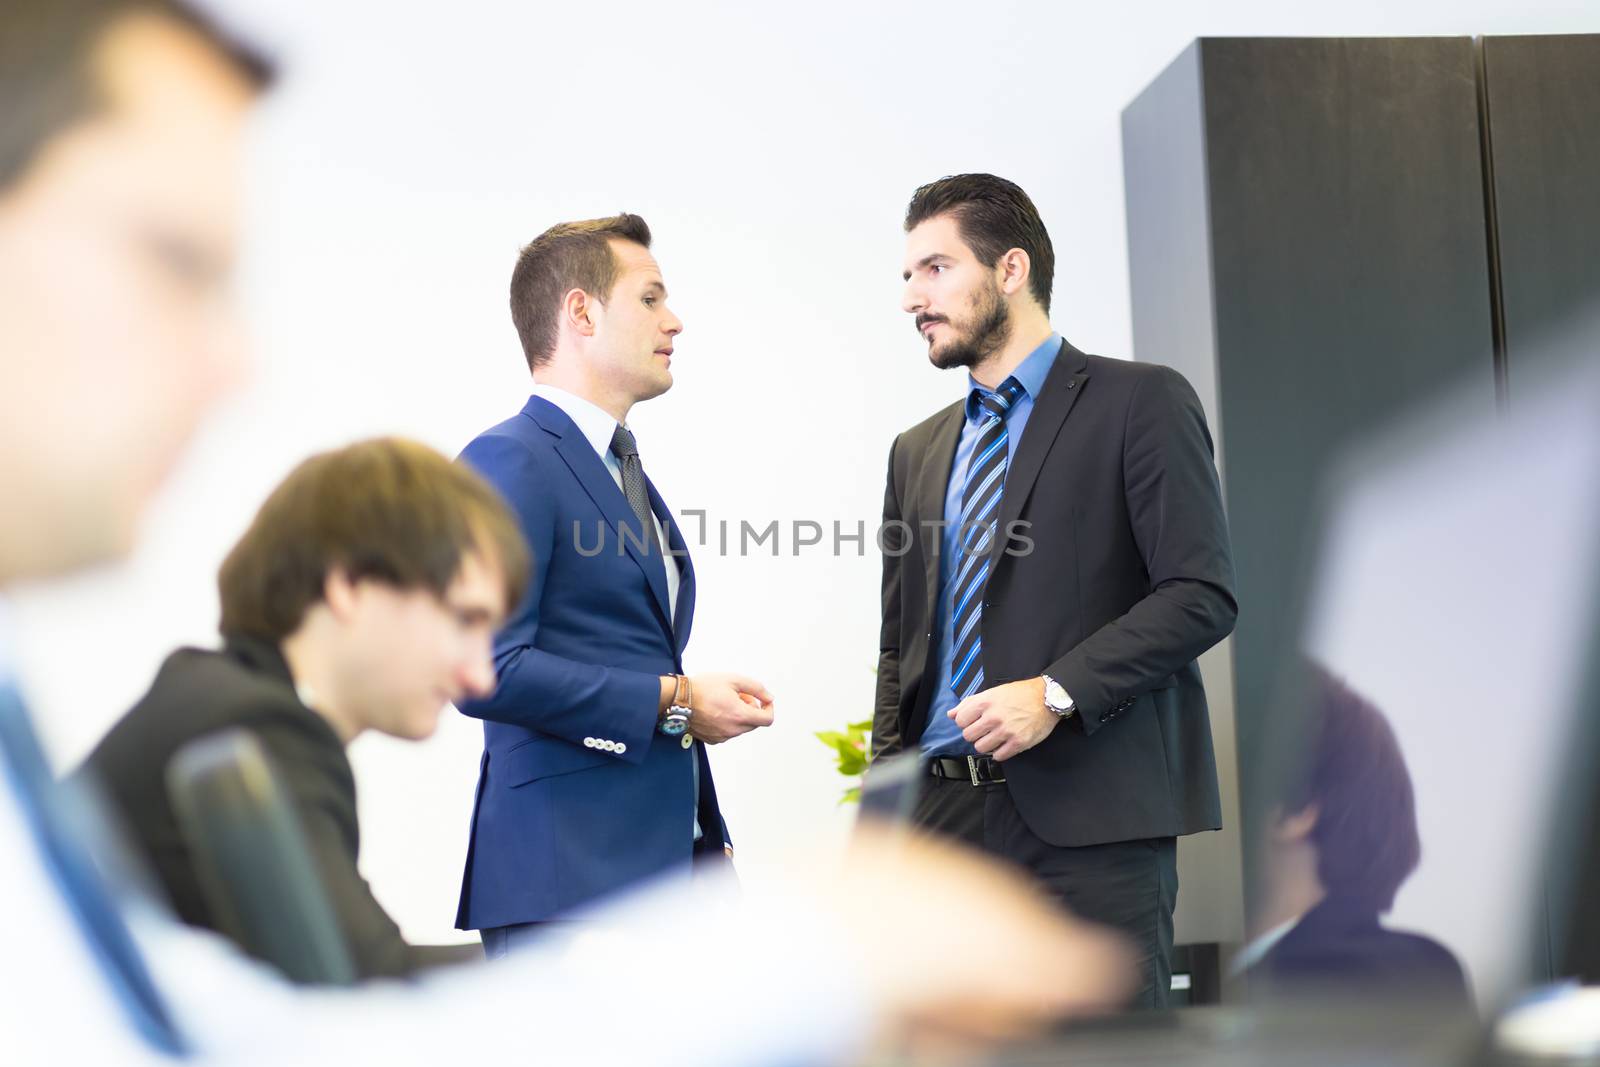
x=1455, y=593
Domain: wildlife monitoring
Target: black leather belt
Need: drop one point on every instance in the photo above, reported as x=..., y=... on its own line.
x=979, y=770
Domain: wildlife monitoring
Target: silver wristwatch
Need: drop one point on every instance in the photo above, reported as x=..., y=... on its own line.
x=674, y=722
x=1056, y=698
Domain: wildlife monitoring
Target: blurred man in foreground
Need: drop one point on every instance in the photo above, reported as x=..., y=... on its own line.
x=118, y=159
x=364, y=596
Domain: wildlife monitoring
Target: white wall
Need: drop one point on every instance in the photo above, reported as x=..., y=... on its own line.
x=406, y=157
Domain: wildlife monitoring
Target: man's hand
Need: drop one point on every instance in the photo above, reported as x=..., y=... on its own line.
x=1006, y=720
x=727, y=705
x=1016, y=964
x=1020, y=963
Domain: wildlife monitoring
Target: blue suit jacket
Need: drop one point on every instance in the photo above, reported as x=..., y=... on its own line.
x=558, y=822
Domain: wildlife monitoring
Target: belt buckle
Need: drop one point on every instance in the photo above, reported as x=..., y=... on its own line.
x=972, y=769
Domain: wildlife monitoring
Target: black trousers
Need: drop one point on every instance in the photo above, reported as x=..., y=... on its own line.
x=1129, y=885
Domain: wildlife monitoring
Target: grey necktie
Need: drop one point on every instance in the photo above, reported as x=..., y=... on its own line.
x=626, y=450
x=627, y=453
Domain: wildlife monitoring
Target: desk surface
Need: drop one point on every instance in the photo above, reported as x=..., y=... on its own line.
x=1329, y=1035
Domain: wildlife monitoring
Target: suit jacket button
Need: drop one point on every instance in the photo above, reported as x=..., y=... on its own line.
x=687, y=740
x=588, y=742
x=622, y=746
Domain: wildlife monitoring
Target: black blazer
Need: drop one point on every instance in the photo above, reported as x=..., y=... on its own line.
x=1128, y=579
x=248, y=685
x=1339, y=946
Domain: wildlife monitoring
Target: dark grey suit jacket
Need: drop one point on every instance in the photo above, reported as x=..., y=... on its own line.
x=1128, y=579
x=248, y=685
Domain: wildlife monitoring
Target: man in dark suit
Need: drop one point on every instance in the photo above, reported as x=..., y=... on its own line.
x=1055, y=560
x=594, y=772
x=364, y=596
x=1342, y=843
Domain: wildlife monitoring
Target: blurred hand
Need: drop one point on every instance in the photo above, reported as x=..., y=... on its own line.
x=975, y=953
x=727, y=705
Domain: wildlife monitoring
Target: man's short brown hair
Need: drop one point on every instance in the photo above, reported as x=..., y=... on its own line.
x=47, y=75
x=567, y=256
x=388, y=510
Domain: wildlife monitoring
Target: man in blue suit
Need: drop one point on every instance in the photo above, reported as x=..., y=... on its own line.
x=594, y=772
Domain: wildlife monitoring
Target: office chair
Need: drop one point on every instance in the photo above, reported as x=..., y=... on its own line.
x=250, y=854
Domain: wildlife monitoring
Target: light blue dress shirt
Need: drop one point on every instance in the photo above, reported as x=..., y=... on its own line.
x=942, y=737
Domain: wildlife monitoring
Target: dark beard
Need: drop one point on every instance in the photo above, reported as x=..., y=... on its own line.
x=991, y=329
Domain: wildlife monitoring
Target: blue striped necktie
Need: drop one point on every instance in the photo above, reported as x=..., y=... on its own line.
x=975, y=533
x=45, y=807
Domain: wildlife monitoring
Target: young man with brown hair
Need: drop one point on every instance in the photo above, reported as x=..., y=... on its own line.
x=364, y=596
x=1339, y=845
x=594, y=772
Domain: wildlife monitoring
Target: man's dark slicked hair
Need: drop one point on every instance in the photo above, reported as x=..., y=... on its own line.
x=567, y=256
x=1356, y=776
x=993, y=216
x=47, y=75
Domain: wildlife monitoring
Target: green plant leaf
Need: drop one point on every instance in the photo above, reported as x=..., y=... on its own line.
x=844, y=749
x=852, y=763
x=852, y=750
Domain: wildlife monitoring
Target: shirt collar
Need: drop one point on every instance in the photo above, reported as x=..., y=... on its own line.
x=1257, y=950
x=596, y=425
x=1030, y=373
x=260, y=655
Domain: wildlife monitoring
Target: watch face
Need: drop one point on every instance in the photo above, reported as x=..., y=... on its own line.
x=673, y=725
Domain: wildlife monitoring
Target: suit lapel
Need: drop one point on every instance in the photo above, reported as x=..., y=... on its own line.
x=933, y=483
x=1062, y=387
x=683, y=617
x=590, y=471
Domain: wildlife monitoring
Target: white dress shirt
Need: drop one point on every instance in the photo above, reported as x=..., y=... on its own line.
x=1257, y=949
x=631, y=988
x=597, y=427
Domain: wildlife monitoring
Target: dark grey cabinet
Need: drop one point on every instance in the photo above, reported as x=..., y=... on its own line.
x=1323, y=232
